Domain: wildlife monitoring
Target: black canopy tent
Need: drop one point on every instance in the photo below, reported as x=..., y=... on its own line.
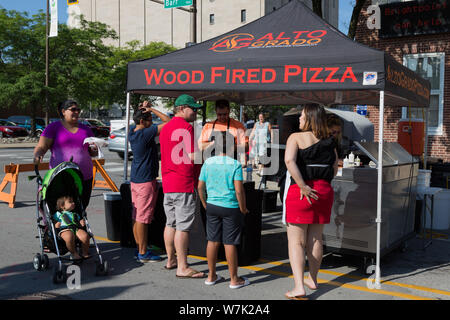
x=288, y=57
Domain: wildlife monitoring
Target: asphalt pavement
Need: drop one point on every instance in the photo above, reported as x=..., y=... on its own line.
x=415, y=274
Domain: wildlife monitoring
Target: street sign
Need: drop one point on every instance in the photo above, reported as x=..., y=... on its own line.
x=176, y=3
x=69, y=2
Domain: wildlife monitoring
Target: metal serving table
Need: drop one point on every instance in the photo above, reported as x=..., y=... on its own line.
x=352, y=228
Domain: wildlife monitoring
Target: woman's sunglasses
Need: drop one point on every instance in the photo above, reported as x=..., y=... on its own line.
x=74, y=109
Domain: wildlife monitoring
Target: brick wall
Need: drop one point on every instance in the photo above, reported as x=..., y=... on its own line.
x=438, y=145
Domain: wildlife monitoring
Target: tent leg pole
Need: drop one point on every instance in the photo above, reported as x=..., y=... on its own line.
x=425, y=152
x=379, y=187
x=127, y=126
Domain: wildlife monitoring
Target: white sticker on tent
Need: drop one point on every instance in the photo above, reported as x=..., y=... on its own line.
x=370, y=78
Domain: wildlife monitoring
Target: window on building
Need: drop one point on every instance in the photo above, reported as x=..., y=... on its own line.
x=429, y=66
x=243, y=15
x=211, y=18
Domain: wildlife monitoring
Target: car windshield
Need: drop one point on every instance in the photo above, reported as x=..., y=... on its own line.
x=6, y=123
x=97, y=123
x=20, y=120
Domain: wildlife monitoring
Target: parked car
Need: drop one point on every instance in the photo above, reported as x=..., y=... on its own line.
x=25, y=122
x=99, y=129
x=9, y=129
x=116, y=143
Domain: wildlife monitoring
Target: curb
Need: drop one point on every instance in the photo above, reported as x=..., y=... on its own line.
x=18, y=145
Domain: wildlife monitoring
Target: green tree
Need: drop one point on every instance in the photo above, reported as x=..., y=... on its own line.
x=77, y=58
x=117, y=66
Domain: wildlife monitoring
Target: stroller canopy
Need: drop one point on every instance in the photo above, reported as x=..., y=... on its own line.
x=64, y=179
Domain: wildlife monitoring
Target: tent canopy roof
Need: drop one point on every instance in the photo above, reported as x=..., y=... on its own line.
x=288, y=57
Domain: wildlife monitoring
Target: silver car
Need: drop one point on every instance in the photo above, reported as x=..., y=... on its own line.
x=116, y=142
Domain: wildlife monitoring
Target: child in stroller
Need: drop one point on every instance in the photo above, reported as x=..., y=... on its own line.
x=65, y=180
x=67, y=220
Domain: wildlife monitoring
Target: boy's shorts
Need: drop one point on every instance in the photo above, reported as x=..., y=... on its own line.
x=181, y=209
x=143, y=201
x=224, y=224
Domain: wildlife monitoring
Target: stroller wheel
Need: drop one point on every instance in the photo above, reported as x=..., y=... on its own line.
x=45, y=262
x=37, y=262
x=59, y=276
x=101, y=269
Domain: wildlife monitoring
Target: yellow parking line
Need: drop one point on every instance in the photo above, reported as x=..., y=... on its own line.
x=331, y=282
x=324, y=281
x=391, y=283
x=104, y=239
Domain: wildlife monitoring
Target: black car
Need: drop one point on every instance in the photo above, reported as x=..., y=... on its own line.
x=99, y=129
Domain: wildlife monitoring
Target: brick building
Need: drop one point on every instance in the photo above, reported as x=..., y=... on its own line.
x=426, y=50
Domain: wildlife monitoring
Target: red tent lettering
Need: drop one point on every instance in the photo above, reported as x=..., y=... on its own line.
x=170, y=77
x=317, y=75
x=251, y=75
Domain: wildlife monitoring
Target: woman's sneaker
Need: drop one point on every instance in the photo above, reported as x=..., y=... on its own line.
x=148, y=257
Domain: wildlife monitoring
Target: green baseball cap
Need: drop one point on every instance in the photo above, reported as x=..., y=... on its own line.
x=187, y=100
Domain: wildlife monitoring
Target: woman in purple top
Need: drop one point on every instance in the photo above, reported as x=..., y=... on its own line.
x=64, y=139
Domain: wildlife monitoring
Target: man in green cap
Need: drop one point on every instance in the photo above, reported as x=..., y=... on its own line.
x=180, y=180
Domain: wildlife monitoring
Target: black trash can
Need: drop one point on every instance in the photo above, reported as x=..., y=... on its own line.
x=113, y=213
x=249, y=250
x=197, y=235
x=126, y=224
x=269, y=201
x=157, y=226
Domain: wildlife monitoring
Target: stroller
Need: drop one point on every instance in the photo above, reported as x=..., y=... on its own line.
x=65, y=179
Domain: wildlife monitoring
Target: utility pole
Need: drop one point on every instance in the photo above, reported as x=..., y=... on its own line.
x=194, y=22
x=46, y=65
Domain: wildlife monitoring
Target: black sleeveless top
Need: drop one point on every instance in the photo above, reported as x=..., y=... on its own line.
x=316, y=161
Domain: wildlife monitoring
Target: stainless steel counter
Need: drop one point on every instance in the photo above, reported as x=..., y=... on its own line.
x=352, y=227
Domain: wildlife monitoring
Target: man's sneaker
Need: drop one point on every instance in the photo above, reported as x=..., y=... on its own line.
x=148, y=257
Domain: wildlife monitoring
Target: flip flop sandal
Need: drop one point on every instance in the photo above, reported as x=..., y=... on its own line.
x=211, y=283
x=170, y=268
x=238, y=286
x=191, y=274
x=296, y=297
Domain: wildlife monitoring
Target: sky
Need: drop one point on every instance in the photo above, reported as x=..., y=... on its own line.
x=33, y=6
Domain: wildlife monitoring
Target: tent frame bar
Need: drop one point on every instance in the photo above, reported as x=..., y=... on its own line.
x=379, y=187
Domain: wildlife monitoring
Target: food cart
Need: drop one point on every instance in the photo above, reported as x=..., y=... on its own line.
x=352, y=228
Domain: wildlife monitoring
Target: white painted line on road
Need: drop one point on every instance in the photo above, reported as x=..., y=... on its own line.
x=8, y=155
x=109, y=164
x=116, y=169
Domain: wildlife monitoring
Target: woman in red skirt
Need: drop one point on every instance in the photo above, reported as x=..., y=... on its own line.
x=311, y=161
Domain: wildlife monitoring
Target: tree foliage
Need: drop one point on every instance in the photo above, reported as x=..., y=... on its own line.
x=81, y=66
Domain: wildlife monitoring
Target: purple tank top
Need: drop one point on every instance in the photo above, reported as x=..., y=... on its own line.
x=67, y=145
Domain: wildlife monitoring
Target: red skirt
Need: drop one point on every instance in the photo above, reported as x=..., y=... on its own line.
x=301, y=212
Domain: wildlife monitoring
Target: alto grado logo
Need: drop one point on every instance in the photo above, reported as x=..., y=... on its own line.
x=238, y=41
x=232, y=42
